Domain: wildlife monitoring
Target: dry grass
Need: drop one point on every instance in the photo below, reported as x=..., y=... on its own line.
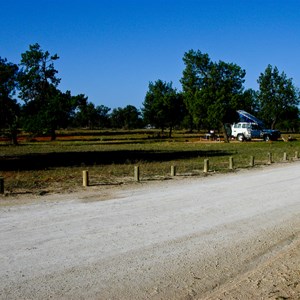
x=43, y=166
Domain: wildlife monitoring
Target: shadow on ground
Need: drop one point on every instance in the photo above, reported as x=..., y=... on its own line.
x=37, y=161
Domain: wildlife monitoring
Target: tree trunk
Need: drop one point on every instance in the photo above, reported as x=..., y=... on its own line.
x=273, y=124
x=191, y=123
x=14, y=138
x=226, y=139
x=170, y=132
x=53, y=135
x=14, y=135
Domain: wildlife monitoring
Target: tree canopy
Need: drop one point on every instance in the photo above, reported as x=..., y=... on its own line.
x=9, y=108
x=38, y=89
x=277, y=96
x=126, y=118
x=213, y=91
x=163, y=106
x=211, y=94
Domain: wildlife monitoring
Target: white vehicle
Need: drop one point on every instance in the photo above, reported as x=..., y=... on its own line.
x=250, y=127
x=245, y=131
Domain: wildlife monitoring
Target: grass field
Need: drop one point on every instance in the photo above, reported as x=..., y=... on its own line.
x=39, y=165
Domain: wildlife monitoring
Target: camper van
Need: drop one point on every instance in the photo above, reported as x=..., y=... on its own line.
x=250, y=127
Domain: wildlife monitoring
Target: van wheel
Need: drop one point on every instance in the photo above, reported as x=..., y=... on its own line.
x=240, y=137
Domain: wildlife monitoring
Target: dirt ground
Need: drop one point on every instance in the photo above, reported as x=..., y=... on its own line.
x=277, y=278
x=233, y=236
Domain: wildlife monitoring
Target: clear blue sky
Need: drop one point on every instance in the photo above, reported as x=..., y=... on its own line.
x=111, y=49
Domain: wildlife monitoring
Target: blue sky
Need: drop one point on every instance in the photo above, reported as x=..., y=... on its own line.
x=111, y=49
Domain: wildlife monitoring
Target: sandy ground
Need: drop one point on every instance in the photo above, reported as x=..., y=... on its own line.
x=233, y=236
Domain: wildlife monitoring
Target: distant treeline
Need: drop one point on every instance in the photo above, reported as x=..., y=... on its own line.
x=211, y=94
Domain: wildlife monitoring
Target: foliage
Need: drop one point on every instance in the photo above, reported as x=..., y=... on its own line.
x=249, y=101
x=60, y=109
x=212, y=91
x=163, y=106
x=86, y=114
x=38, y=89
x=9, y=108
x=211, y=94
x=103, y=116
x=223, y=91
x=51, y=115
x=289, y=119
x=37, y=74
x=126, y=118
x=197, y=66
x=277, y=96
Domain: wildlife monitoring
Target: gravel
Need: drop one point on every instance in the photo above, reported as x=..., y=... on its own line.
x=227, y=236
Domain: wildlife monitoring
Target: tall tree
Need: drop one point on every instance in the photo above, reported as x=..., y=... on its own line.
x=38, y=89
x=163, y=106
x=9, y=108
x=86, y=113
x=249, y=101
x=103, y=116
x=277, y=95
x=289, y=119
x=132, y=117
x=223, y=92
x=60, y=110
x=212, y=90
x=128, y=117
x=117, y=118
x=197, y=68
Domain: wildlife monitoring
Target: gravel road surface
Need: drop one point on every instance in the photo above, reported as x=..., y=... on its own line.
x=233, y=236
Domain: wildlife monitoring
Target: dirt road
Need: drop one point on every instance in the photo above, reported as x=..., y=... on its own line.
x=233, y=236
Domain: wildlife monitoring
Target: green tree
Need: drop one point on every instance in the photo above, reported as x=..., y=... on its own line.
x=212, y=91
x=9, y=108
x=132, y=117
x=38, y=89
x=289, y=119
x=60, y=110
x=163, y=106
x=249, y=101
x=54, y=114
x=128, y=117
x=117, y=118
x=277, y=95
x=223, y=93
x=88, y=116
x=86, y=113
x=197, y=68
x=103, y=116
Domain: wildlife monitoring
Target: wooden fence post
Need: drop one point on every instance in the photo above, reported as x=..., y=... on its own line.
x=251, y=161
x=296, y=155
x=136, y=173
x=206, y=165
x=231, y=166
x=85, y=178
x=173, y=170
x=1, y=185
x=269, y=158
x=284, y=156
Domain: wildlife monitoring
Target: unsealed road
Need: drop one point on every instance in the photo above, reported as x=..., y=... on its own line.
x=178, y=239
